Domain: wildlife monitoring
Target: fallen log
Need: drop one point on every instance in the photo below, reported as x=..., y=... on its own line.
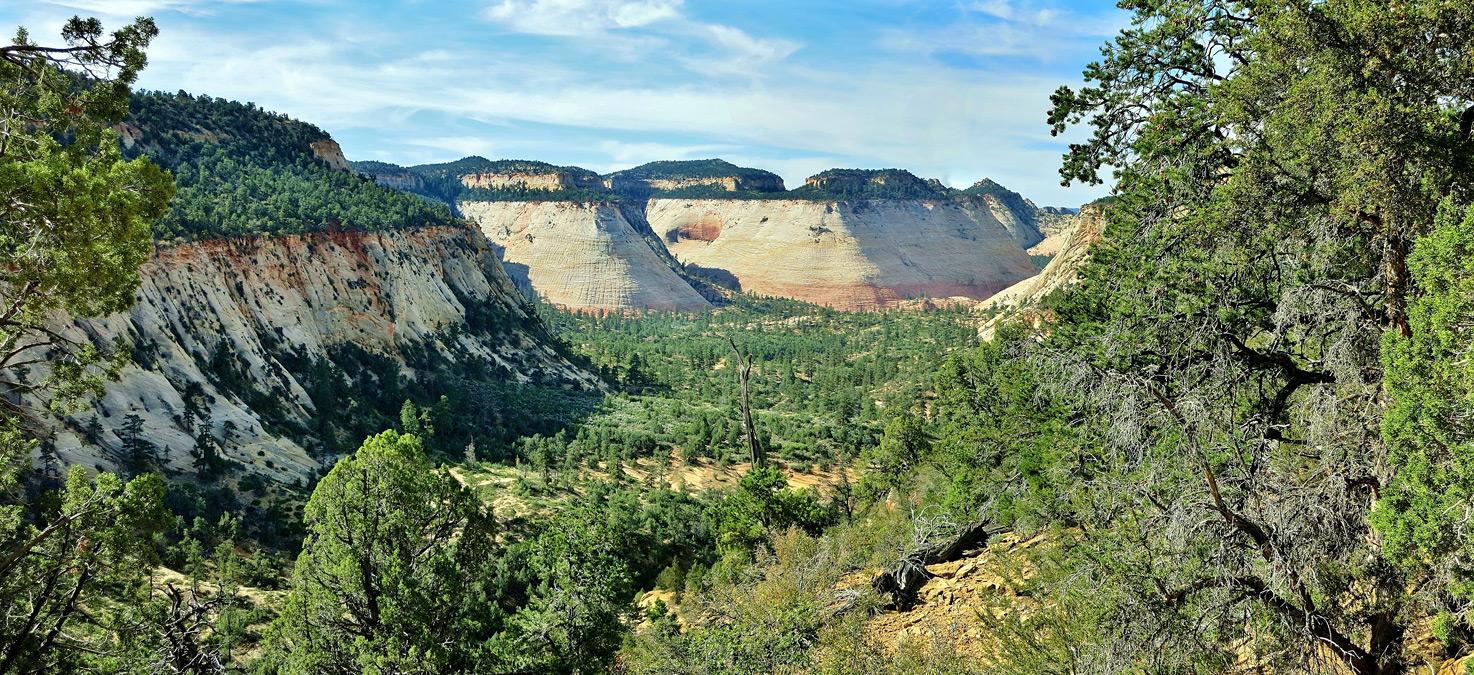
x=900, y=584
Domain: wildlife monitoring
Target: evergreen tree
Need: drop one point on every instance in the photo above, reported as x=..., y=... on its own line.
x=1275, y=162
x=390, y=576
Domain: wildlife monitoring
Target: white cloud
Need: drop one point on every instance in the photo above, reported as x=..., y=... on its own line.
x=132, y=8
x=460, y=146
x=634, y=30
x=1009, y=10
x=623, y=155
x=992, y=28
x=581, y=17
x=739, y=53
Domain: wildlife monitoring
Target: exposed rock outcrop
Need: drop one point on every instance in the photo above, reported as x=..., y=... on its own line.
x=328, y=151
x=852, y=179
x=1029, y=224
x=1022, y=299
x=862, y=254
x=1055, y=224
x=401, y=180
x=666, y=176
x=585, y=256
x=222, y=325
x=556, y=180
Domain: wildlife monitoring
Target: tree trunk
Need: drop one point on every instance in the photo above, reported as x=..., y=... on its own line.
x=905, y=578
x=744, y=370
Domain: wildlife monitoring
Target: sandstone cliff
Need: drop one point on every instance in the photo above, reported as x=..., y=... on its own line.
x=225, y=333
x=552, y=180
x=585, y=256
x=1022, y=300
x=329, y=151
x=861, y=254
x=721, y=175
x=728, y=183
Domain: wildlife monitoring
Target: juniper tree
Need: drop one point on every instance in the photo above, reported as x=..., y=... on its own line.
x=74, y=227
x=1275, y=162
x=389, y=579
x=74, y=217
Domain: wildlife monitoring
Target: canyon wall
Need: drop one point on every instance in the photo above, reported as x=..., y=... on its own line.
x=224, y=330
x=558, y=180
x=862, y=254
x=1023, y=300
x=631, y=185
x=584, y=256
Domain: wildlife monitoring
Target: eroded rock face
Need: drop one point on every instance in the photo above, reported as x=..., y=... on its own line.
x=543, y=181
x=328, y=150
x=1055, y=224
x=728, y=183
x=1021, y=300
x=401, y=180
x=581, y=256
x=867, y=254
x=270, y=305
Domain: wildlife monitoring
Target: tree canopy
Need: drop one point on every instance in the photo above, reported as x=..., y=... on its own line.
x=1220, y=365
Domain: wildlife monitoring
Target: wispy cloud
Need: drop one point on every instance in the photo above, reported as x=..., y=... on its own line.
x=1009, y=28
x=580, y=17
x=1010, y=10
x=131, y=8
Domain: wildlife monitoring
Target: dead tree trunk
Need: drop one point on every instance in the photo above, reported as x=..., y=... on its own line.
x=744, y=370
x=900, y=584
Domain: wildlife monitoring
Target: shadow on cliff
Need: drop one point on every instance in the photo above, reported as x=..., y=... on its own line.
x=716, y=276
x=518, y=272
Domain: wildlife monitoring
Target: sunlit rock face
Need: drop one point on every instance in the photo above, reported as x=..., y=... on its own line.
x=234, y=325
x=555, y=180
x=581, y=256
x=860, y=255
x=1024, y=298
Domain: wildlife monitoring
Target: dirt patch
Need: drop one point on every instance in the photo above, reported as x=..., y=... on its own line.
x=947, y=608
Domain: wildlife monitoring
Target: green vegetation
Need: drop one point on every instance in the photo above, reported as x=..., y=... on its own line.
x=835, y=185
x=1013, y=200
x=474, y=164
x=850, y=184
x=1208, y=405
x=243, y=171
x=442, y=182
x=695, y=168
x=73, y=567
x=821, y=389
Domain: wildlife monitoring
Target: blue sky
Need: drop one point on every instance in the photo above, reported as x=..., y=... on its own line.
x=955, y=90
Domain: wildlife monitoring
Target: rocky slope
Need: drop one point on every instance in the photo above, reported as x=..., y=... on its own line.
x=221, y=327
x=1023, y=299
x=292, y=306
x=1029, y=224
x=585, y=256
x=861, y=254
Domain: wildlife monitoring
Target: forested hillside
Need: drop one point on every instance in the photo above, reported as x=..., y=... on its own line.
x=244, y=171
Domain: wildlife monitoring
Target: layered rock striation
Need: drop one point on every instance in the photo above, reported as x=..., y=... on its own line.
x=229, y=333
x=584, y=256
x=861, y=255
x=551, y=180
x=1023, y=300
x=669, y=176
